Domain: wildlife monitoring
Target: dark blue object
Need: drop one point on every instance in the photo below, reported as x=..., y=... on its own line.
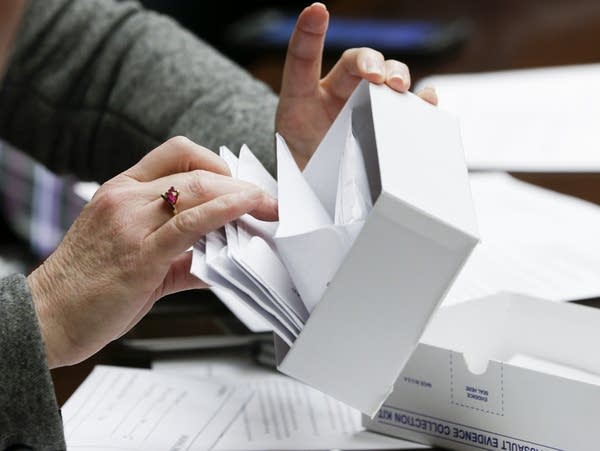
x=381, y=34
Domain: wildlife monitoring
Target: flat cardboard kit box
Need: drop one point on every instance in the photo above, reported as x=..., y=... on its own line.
x=506, y=372
x=416, y=238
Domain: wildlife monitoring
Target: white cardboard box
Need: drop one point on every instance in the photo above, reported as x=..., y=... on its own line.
x=417, y=237
x=506, y=372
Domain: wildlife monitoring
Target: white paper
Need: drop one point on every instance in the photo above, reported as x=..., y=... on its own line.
x=218, y=260
x=254, y=250
x=298, y=204
x=534, y=241
x=234, y=299
x=239, y=303
x=138, y=409
x=526, y=120
x=272, y=266
x=304, y=226
x=251, y=170
x=264, y=267
x=242, y=267
x=246, y=258
x=283, y=414
x=223, y=255
x=353, y=200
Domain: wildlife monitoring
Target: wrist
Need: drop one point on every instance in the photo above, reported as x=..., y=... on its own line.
x=47, y=315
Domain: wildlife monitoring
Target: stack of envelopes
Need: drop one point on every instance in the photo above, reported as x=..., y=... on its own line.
x=280, y=270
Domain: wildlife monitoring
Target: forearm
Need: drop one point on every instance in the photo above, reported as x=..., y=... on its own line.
x=29, y=416
x=94, y=85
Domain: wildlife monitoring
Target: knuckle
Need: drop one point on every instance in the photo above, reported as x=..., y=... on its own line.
x=179, y=142
x=186, y=221
x=227, y=206
x=198, y=183
x=348, y=53
x=377, y=54
x=371, y=52
x=108, y=200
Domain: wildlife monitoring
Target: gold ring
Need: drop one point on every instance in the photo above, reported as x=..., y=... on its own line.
x=170, y=197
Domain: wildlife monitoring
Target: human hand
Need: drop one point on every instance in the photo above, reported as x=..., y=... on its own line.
x=309, y=104
x=126, y=250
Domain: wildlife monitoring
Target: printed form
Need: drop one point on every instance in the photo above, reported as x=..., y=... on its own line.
x=138, y=409
x=533, y=241
x=283, y=413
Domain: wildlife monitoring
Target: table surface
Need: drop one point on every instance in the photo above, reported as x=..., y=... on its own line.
x=504, y=34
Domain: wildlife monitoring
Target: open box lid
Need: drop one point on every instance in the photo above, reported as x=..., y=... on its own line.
x=417, y=237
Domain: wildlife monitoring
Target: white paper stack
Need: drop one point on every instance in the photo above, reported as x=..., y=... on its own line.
x=266, y=272
x=531, y=120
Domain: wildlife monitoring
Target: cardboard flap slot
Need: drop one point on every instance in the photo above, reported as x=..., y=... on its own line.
x=477, y=364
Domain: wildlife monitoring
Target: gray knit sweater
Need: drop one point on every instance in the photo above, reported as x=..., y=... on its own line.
x=92, y=86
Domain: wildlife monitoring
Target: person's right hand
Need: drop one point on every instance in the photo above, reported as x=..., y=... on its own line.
x=126, y=250
x=308, y=104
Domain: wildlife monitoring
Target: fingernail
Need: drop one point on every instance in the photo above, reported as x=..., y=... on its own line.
x=373, y=66
x=397, y=79
x=319, y=4
x=315, y=23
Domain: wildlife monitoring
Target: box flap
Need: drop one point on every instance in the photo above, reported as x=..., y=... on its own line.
x=506, y=325
x=426, y=168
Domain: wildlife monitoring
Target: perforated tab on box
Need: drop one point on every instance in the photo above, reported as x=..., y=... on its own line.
x=482, y=392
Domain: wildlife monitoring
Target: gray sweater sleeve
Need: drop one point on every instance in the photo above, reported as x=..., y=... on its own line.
x=93, y=85
x=29, y=415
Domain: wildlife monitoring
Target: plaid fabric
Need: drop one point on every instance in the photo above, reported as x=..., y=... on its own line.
x=39, y=205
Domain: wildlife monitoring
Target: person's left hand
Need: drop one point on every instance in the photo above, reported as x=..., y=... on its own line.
x=308, y=104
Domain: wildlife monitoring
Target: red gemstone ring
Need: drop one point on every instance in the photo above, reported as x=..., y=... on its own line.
x=170, y=197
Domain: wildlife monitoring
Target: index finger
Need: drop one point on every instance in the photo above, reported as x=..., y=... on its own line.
x=187, y=227
x=302, y=69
